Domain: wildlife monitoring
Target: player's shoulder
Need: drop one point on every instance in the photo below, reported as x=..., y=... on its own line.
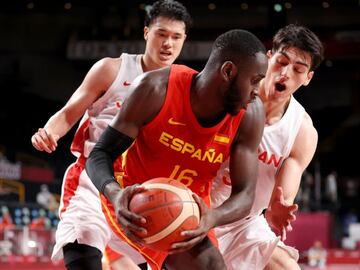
x=102, y=74
x=307, y=125
x=153, y=80
x=105, y=71
x=307, y=133
x=108, y=64
x=306, y=141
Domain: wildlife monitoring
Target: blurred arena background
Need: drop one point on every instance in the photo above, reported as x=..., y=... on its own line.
x=47, y=47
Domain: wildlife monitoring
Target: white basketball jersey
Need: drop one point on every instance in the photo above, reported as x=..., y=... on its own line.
x=274, y=148
x=101, y=113
x=276, y=144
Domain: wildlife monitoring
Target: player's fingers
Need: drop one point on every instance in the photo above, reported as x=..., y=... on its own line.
x=42, y=146
x=128, y=193
x=200, y=203
x=131, y=216
x=133, y=237
x=293, y=207
x=183, y=246
x=44, y=135
x=35, y=143
x=296, y=207
x=292, y=217
x=137, y=189
x=52, y=141
x=194, y=233
x=132, y=227
x=44, y=140
x=49, y=139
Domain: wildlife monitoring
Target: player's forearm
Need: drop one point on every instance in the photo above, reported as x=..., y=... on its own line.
x=99, y=165
x=237, y=207
x=59, y=124
x=288, y=178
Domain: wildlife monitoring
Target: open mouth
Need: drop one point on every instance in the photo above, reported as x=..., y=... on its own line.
x=165, y=53
x=280, y=87
x=165, y=56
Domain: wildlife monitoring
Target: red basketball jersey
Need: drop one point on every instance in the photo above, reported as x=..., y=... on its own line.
x=175, y=145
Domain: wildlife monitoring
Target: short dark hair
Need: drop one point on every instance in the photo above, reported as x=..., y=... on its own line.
x=170, y=9
x=302, y=38
x=235, y=44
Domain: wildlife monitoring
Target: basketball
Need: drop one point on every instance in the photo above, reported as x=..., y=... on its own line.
x=169, y=208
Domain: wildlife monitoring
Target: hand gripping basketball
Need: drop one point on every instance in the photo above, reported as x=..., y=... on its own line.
x=169, y=209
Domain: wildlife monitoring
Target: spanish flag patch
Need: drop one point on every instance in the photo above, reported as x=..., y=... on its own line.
x=222, y=139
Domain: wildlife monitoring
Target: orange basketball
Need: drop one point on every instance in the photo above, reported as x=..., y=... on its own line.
x=169, y=208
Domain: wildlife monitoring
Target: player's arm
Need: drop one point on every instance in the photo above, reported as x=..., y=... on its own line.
x=281, y=209
x=138, y=109
x=96, y=82
x=243, y=166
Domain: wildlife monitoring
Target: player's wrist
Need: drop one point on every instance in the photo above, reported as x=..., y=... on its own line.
x=111, y=189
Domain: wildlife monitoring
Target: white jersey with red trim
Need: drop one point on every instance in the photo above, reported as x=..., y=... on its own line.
x=249, y=243
x=80, y=208
x=100, y=113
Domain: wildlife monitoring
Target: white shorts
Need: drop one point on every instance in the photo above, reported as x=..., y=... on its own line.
x=249, y=245
x=82, y=217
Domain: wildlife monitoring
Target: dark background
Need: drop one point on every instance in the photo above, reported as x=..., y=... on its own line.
x=39, y=69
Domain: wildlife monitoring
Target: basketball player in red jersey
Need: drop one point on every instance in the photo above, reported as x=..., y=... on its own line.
x=98, y=98
x=186, y=124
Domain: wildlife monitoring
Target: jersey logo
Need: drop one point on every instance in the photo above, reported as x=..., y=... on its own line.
x=126, y=83
x=172, y=122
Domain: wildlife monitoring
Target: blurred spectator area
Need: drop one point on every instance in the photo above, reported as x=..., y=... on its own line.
x=29, y=214
x=27, y=236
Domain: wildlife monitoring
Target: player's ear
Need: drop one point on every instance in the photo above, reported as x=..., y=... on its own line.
x=228, y=70
x=308, y=78
x=146, y=32
x=269, y=54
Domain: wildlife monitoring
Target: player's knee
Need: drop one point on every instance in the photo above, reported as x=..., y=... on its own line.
x=281, y=260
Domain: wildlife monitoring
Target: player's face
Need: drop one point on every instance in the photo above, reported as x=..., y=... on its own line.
x=288, y=70
x=244, y=87
x=164, y=40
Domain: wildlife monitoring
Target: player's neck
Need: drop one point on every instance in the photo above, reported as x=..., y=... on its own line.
x=204, y=103
x=147, y=64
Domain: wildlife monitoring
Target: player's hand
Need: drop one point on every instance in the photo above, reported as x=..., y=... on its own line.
x=280, y=214
x=197, y=235
x=43, y=140
x=129, y=221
